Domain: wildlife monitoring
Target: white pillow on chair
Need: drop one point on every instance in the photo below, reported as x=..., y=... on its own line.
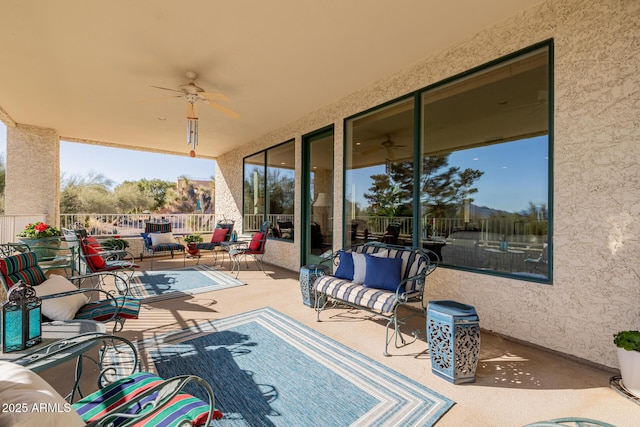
x=61, y=308
x=28, y=400
x=162, y=238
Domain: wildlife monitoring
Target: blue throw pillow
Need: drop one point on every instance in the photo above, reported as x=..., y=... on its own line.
x=147, y=239
x=345, y=268
x=382, y=273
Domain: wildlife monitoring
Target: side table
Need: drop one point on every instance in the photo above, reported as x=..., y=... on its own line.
x=52, y=332
x=61, y=341
x=308, y=276
x=453, y=334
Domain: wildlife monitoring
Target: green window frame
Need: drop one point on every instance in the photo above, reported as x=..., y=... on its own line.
x=468, y=162
x=269, y=190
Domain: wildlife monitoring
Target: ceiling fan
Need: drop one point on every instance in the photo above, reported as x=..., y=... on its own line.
x=193, y=93
x=388, y=145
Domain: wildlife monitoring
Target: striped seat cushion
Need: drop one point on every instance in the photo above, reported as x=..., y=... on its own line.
x=22, y=267
x=380, y=300
x=207, y=246
x=127, y=308
x=167, y=247
x=183, y=407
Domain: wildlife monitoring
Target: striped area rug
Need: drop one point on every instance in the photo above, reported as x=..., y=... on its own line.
x=156, y=285
x=267, y=369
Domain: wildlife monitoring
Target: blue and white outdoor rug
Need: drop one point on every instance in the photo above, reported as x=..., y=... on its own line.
x=156, y=285
x=267, y=369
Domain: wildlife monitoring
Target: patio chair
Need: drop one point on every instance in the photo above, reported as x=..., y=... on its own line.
x=250, y=248
x=95, y=258
x=64, y=301
x=62, y=258
x=138, y=398
x=158, y=237
x=222, y=233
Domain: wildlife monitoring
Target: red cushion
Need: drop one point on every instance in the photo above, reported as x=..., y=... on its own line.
x=93, y=257
x=256, y=242
x=93, y=242
x=219, y=235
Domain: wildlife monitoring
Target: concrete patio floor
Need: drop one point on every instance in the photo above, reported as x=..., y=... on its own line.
x=516, y=384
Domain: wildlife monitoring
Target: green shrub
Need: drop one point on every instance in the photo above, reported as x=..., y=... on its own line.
x=629, y=340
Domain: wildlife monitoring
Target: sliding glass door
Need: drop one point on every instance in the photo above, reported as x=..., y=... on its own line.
x=317, y=219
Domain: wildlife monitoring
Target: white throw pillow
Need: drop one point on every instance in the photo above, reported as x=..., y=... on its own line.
x=162, y=238
x=360, y=265
x=28, y=400
x=61, y=308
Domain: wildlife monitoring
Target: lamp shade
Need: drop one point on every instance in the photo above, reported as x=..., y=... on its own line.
x=322, y=200
x=21, y=318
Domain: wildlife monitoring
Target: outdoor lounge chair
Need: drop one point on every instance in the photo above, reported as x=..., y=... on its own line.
x=141, y=399
x=65, y=301
x=222, y=233
x=94, y=258
x=158, y=237
x=62, y=258
x=250, y=248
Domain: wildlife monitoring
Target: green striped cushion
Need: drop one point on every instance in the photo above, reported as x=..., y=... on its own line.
x=183, y=407
x=22, y=267
x=128, y=308
x=155, y=227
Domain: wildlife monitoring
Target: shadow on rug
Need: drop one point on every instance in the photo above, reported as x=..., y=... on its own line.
x=156, y=285
x=266, y=369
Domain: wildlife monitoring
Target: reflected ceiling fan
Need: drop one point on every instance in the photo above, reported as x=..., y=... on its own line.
x=541, y=101
x=389, y=146
x=194, y=93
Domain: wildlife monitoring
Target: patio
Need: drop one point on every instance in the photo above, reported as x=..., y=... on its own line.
x=515, y=383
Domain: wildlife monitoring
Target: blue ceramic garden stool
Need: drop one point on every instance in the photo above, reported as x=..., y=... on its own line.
x=453, y=334
x=308, y=275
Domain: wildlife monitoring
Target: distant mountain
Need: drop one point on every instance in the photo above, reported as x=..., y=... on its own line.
x=484, y=211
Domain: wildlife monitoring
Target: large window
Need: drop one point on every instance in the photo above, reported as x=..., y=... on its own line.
x=379, y=175
x=483, y=170
x=269, y=181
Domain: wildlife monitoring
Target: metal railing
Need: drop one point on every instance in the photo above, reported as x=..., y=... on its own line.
x=11, y=225
x=133, y=224
x=252, y=222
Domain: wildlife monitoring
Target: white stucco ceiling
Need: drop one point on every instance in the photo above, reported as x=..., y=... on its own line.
x=85, y=68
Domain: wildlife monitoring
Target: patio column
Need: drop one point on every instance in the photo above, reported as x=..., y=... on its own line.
x=33, y=172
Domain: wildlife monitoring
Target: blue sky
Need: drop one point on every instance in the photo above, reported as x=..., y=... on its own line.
x=515, y=174
x=125, y=165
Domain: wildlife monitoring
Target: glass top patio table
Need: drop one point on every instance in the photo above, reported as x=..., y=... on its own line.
x=70, y=336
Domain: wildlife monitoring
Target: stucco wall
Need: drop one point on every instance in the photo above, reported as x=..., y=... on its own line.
x=596, y=159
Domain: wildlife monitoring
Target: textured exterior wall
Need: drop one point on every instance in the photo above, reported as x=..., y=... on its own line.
x=33, y=169
x=596, y=163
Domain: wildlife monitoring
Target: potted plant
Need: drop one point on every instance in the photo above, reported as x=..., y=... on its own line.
x=191, y=240
x=628, y=343
x=41, y=238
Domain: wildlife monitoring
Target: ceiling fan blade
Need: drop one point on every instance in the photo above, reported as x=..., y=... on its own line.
x=214, y=96
x=166, y=88
x=160, y=98
x=229, y=112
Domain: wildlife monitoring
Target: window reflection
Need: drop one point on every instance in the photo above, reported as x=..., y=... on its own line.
x=269, y=181
x=484, y=179
x=483, y=170
x=379, y=176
